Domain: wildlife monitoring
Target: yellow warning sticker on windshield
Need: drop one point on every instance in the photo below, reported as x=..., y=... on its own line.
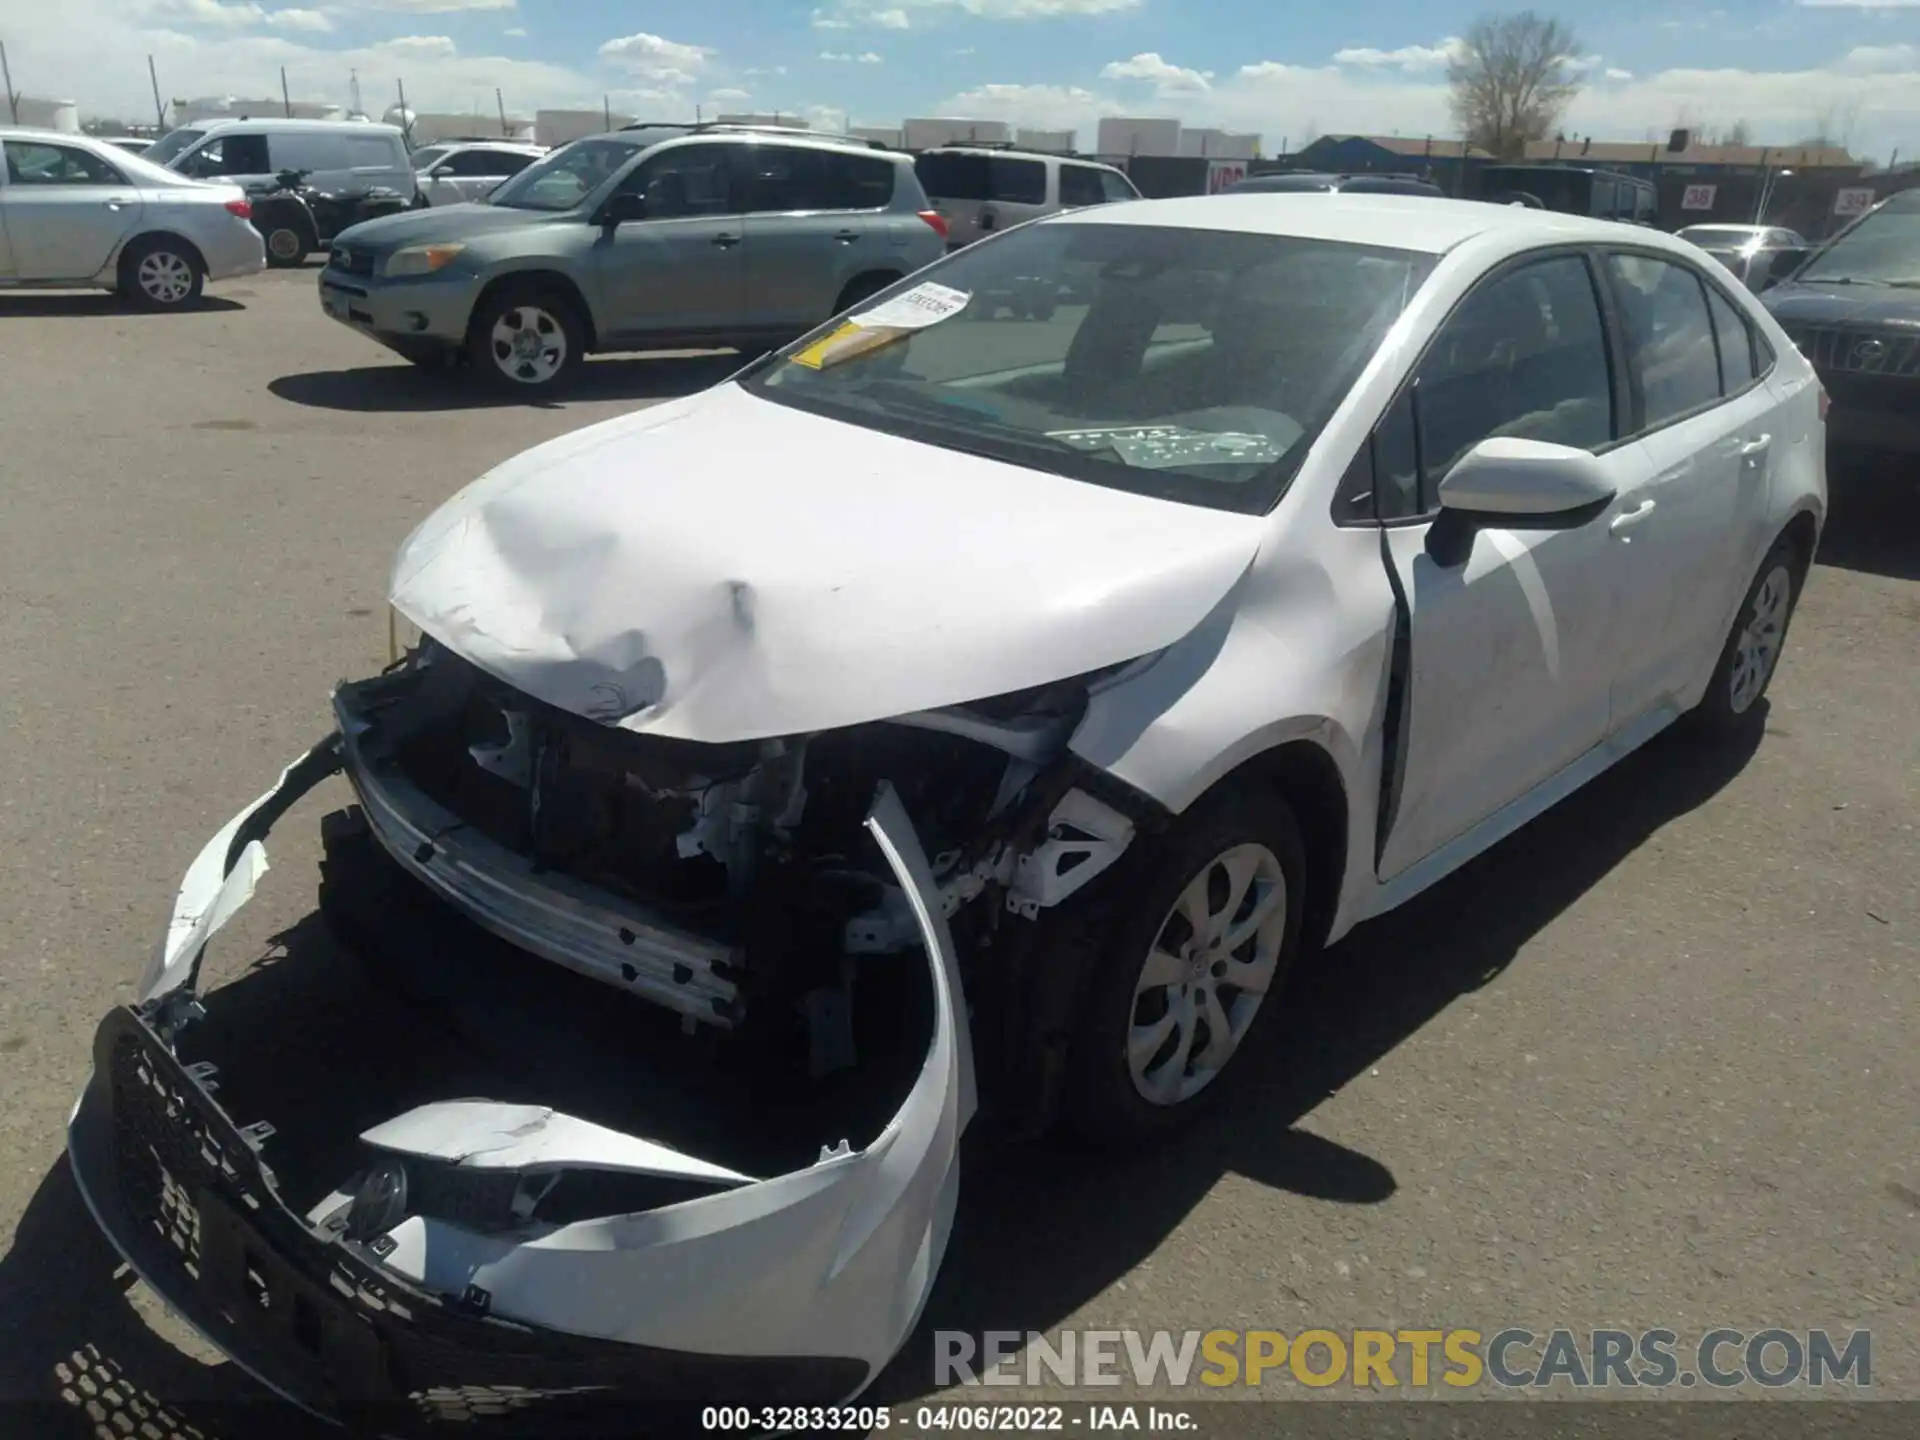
x=844, y=343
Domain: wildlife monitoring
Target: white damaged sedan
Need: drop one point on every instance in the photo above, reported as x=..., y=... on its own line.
x=956, y=711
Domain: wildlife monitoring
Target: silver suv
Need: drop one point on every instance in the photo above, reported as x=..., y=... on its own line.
x=716, y=236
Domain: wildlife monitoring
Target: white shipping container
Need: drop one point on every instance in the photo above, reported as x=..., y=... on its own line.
x=929, y=134
x=1129, y=135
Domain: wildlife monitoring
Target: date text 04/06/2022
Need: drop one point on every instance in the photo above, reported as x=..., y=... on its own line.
x=932, y=1419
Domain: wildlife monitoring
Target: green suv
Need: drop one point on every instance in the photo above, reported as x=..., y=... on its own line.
x=715, y=236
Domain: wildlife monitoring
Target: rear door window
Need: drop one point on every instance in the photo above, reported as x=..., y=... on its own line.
x=948, y=175
x=687, y=180
x=857, y=182
x=781, y=179
x=1017, y=182
x=1663, y=309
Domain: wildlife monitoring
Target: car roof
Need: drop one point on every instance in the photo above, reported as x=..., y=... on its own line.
x=792, y=139
x=276, y=122
x=1428, y=224
x=1007, y=152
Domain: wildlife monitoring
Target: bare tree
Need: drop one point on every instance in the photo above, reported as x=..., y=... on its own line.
x=1832, y=125
x=1738, y=133
x=1512, y=79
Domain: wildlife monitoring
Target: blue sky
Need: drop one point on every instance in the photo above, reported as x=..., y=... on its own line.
x=1782, y=66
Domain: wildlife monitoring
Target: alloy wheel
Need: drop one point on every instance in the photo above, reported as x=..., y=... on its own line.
x=284, y=244
x=1757, y=650
x=164, y=277
x=528, y=344
x=1206, y=974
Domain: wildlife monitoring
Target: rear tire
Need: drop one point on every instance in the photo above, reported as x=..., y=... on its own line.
x=861, y=288
x=527, y=341
x=286, y=247
x=158, y=272
x=1752, y=652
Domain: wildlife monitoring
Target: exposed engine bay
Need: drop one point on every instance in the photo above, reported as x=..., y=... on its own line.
x=718, y=880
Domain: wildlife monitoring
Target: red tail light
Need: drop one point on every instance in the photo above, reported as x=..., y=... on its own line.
x=937, y=221
x=243, y=208
x=1826, y=404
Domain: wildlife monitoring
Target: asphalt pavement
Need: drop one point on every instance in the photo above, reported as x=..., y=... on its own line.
x=1651, y=1063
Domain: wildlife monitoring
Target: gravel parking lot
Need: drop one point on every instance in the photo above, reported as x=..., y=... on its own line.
x=1650, y=1063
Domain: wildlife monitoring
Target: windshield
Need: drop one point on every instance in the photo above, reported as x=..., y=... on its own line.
x=563, y=179
x=1882, y=249
x=171, y=144
x=1191, y=365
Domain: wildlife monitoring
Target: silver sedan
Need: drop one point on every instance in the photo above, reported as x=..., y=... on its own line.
x=75, y=211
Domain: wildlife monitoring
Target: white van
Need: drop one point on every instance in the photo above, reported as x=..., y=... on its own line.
x=339, y=155
x=984, y=188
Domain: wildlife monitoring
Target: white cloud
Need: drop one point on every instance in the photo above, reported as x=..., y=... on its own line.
x=729, y=96
x=1861, y=4
x=1052, y=107
x=419, y=47
x=517, y=32
x=765, y=70
x=1619, y=74
x=313, y=22
x=206, y=12
x=430, y=7
x=1407, y=57
x=844, y=58
x=1166, y=79
x=1875, y=59
x=657, y=62
x=898, y=14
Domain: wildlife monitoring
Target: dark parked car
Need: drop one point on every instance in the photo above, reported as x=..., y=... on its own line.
x=1854, y=310
x=1572, y=190
x=1302, y=181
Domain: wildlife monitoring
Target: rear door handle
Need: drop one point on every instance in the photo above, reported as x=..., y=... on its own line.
x=1756, y=446
x=725, y=240
x=1632, y=517
x=846, y=237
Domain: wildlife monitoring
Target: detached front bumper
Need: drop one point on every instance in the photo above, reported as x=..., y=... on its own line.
x=184, y=1194
x=599, y=1325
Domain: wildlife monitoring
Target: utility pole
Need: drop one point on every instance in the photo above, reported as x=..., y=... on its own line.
x=500, y=104
x=6, y=73
x=286, y=100
x=406, y=120
x=606, y=110
x=159, y=110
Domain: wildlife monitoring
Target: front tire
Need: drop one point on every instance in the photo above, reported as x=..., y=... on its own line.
x=160, y=273
x=527, y=342
x=1204, y=929
x=1752, y=652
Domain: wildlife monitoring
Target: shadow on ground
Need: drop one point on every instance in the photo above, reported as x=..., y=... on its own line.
x=1040, y=1232
x=402, y=387
x=90, y=303
x=1873, y=514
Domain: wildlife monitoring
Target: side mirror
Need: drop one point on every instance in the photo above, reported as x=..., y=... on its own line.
x=439, y=172
x=623, y=207
x=1520, y=479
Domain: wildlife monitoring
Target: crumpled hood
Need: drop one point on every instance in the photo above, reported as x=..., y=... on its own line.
x=727, y=568
x=1811, y=303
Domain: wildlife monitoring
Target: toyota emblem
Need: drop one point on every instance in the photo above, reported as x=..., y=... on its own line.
x=1868, y=351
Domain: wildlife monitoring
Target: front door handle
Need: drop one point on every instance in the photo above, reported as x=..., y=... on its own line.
x=115, y=204
x=725, y=240
x=846, y=237
x=1632, y=517
x=1756, y=446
